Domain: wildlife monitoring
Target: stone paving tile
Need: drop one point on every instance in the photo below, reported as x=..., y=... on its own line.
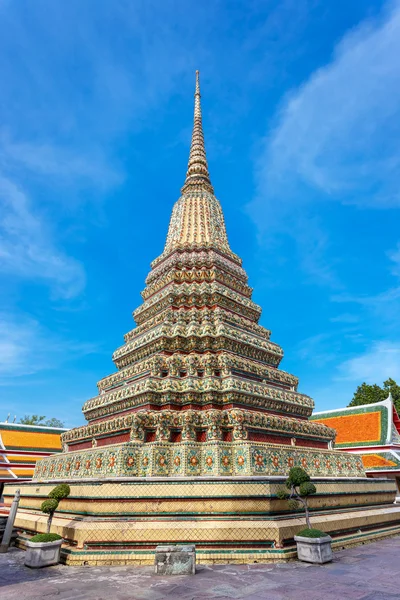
x=370, y=572
x=381, y=596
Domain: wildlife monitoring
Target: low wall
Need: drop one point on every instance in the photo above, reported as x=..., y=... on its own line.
x=235, y=519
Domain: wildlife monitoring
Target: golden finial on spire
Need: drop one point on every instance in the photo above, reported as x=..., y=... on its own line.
x=197, y=176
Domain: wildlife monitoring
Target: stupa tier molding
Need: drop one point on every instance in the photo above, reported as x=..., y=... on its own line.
x=200, y=365
x=197, y=275
x=210, y=425
x=199, y=391
x=194, y=249
x=200, y=295
x=193, y=337
x=205, y=316
x=196, y=258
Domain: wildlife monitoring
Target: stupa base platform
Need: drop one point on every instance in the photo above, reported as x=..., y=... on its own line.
x=230, y=519
x=191, y=459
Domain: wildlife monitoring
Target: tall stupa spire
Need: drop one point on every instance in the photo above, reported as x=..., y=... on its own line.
x=197, y=176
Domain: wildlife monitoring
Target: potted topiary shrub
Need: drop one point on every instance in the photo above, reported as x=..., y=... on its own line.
x=313, y=545
x=43, y=549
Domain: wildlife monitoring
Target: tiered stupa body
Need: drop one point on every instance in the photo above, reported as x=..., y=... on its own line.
x=192, y=437
x=198, y=367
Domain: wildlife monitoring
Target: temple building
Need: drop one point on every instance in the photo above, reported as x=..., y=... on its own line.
x=21, y=446
x=191, y=437
x=371, y=430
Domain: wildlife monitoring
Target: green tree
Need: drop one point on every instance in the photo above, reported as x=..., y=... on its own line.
x=300, y=487
x=391, y=386
x=369, y=394
x=41, y=420
x=50, y=506
x=53, y=422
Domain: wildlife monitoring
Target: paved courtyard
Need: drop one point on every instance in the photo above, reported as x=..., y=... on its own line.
x=370, y=572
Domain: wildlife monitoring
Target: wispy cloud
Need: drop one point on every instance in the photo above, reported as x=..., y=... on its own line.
x=321, y=349
x=65, y=165
x=383, y=307
x=27, y=347
x=71, y=97
x=339, y=132
x=345, y=318
x=394, y=256
x=379, y=362
x=336, y=138
x=26, y=246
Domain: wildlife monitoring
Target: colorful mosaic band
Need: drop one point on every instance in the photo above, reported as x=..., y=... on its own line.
x=194, y=459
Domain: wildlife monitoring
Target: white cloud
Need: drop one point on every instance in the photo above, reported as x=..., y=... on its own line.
x=26, y=247
x=26, y=347
x=383, y=307
x=394, y=256
x=340, y=131
x=66, y=165
x=377, y=363
x=319, y=349
x=345, y=318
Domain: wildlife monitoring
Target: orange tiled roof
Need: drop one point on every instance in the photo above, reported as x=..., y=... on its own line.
x=355, y=428
x=16, y=439
x=376, y=460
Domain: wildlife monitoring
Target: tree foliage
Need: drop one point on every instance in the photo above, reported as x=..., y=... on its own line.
x=300, y=487
x=41, y=420
x=60, y=492
x=297, y=476
x=369, y=394
x=50, y=506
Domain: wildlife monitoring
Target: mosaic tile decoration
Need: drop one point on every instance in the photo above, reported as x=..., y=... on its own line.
x=191, y=459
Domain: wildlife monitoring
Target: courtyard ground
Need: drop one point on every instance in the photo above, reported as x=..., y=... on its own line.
x=370, y=572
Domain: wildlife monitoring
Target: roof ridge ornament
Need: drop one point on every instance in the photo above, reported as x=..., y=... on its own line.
x=197, y=175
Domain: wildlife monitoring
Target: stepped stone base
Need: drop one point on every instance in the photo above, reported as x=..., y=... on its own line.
x=229, y=519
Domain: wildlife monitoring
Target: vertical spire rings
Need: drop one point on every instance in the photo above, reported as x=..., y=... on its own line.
x=197, y=176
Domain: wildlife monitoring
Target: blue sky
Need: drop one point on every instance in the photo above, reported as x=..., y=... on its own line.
x=301, y=104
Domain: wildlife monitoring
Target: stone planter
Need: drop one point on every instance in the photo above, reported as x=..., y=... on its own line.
x=314, y=550
x=42, y=554
x=179, y=559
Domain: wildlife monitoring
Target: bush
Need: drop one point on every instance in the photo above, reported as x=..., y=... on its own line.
x=300, y=487
x=307, y=488
x=60, y=491
x=312, y=533
x=45, y=537
x=49, y=506
x=297, y=476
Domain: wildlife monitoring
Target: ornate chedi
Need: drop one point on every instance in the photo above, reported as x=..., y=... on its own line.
x=198, y=418
x=198, y=388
